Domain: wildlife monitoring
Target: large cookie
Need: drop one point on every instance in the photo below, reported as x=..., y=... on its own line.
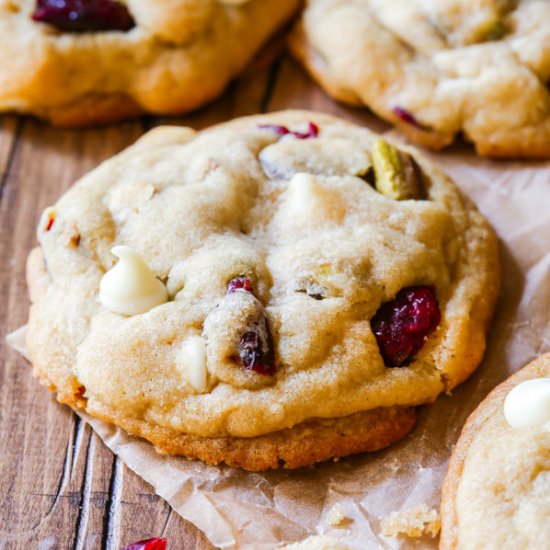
x=81, y=62
x=435, y=69
x=497, y=489
x=312, y=299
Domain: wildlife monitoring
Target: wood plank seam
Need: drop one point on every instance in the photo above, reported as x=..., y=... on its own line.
x=274, y=71
x=11, y=155
x=111, y=519
x=85, y=496
x=63, y=482
x=168, y=516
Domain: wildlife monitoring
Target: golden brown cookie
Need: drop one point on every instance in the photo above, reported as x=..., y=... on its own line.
x=496, y=492
x=281, y=279
x=90, y=62
x=437, y=69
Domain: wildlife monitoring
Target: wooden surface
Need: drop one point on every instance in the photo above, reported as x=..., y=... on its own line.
x=61, y=487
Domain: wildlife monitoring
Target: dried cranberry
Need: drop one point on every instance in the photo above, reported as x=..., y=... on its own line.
x=311, y=132
x=256, y=350
x=149, y=544
x=50, y=221
x=279, y=130
x=402, y=325
x=408, y=117
x=239, y=283
x=83, y=15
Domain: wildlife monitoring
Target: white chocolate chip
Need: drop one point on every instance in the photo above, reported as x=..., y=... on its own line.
x=308, y=199
x=528, y=404
x=303, y=191
x=131, y=288
x=194, y=357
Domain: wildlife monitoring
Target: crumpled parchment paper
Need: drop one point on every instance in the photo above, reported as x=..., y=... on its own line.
x=238, y=509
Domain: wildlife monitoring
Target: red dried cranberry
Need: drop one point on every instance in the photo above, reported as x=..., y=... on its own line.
x=239, y=283
x=311, y=132
x=149, y=544
x=50, y=221
x=402, y=325
x=84, y=15
x=279, y=130
x=256, y=350
x=408, y=117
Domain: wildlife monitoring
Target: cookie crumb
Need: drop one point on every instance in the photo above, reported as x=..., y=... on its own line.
x=336, y=516
x=413, y=522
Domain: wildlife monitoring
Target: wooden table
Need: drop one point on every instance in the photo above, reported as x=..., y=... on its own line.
x=61, y=487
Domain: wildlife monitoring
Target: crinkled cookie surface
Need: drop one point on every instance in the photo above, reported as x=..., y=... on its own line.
x=496, y=493
x=435, y=69
x=321, y=247
x=177, y=55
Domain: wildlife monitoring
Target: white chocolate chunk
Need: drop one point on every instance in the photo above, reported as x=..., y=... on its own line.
x=307, y=199
x=131, y=288
x=194, y=358
x=303, y=192
x=528, y=404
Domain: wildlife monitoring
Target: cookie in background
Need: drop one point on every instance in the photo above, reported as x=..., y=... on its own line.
x=436, y=70
x=84, y=62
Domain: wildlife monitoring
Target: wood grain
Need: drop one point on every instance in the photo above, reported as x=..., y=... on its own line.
x=62, y=488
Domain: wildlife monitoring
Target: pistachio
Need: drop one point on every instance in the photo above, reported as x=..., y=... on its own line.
x=496, y=31
x=323, y=282
x=312, y=288
x=397, y=174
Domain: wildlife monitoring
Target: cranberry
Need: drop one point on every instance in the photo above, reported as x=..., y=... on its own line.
x=84, y=15
x=50, y=221
x=239, y=283
x=408, y=117
x=279, y=130
x=256, y=350
x=149, y=544
x=311, y=132
x=402, y=325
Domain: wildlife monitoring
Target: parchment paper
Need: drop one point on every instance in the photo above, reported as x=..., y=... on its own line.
x=237, y=509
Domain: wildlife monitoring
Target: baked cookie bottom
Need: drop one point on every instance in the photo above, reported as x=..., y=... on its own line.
x=312, y=441
x=487, y=426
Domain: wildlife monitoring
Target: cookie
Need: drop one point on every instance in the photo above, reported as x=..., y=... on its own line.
x=496, y=492
x=281, y=288
x=81, y=62
x=479, y=68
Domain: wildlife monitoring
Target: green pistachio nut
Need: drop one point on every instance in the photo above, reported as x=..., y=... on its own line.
x=396, y=174
x=496, y=30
